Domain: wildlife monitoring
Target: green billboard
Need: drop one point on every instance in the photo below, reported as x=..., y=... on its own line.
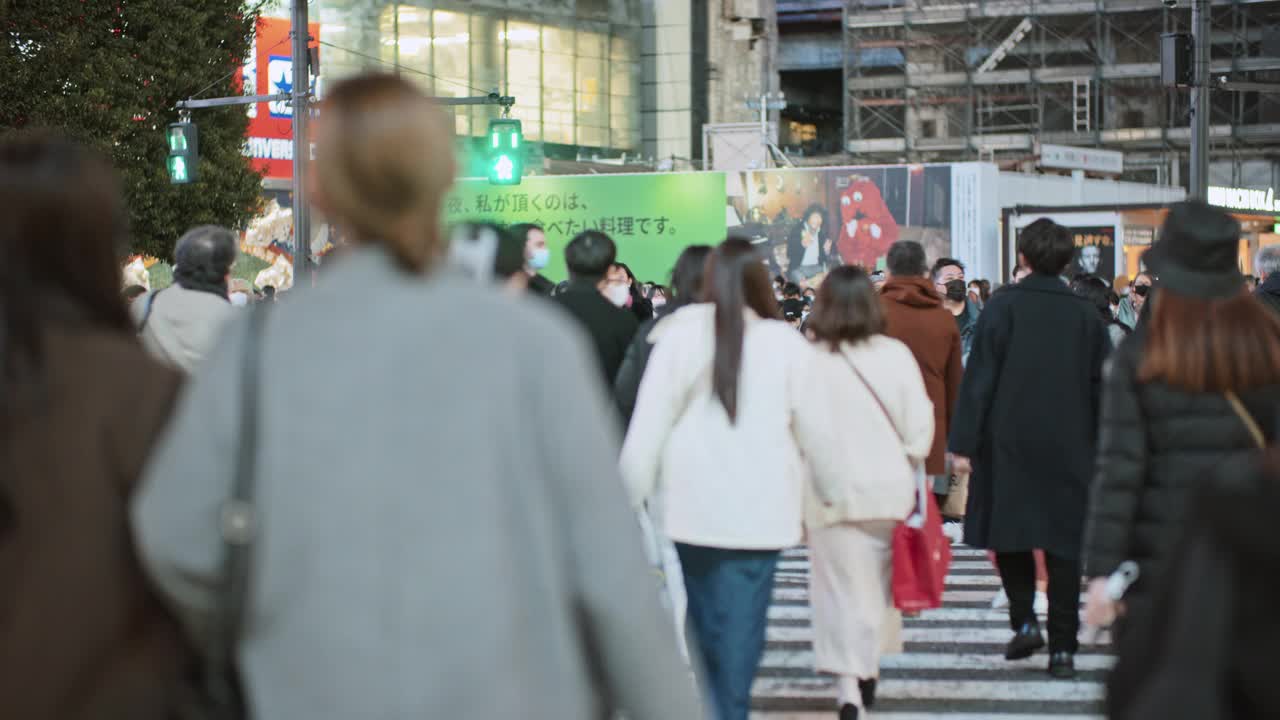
x=652, y=217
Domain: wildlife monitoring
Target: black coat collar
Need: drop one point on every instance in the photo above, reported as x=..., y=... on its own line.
x=1039, y=282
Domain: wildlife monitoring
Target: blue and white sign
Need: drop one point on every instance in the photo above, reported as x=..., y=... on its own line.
x=280, y=76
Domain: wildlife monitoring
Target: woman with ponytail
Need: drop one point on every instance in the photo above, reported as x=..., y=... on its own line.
x=721, y=414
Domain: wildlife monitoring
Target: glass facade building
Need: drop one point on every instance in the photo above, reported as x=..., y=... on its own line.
x=574, y=70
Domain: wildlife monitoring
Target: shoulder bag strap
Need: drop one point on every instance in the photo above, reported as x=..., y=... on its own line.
x=1250, y=424
x=146, y=312
x=238, y=524
x=922, y=504
x=862, y=378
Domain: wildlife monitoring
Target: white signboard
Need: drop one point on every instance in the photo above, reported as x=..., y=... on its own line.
x=1065, y=157
x=1244, y=199
x=738, y=146
x=975, y=224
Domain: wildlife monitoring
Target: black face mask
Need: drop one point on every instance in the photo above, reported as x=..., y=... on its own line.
x=1141, y=290
x=956, y=291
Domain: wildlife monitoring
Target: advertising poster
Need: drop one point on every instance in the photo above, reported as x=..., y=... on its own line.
x=1095, y=252
x=652, y=217
x=1096, y=235
x=811, y=220
x=269, y=71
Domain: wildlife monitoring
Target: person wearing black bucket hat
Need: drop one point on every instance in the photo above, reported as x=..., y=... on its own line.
x=1198, y=253
x=1189, y=395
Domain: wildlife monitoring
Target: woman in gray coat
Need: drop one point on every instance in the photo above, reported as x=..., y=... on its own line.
x=442, y=529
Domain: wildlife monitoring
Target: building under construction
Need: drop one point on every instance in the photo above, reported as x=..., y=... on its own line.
x=946, y=80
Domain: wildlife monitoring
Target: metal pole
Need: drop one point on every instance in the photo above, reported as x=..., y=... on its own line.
x=301, y=148
x=1200, y=101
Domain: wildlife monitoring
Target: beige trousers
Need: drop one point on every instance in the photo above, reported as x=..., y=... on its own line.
x=853, y=616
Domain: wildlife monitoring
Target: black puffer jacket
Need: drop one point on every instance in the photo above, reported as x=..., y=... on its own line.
x=1206, y=649
x=1158, y=444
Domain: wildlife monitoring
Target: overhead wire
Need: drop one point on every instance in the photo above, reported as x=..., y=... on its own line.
x=195, y=95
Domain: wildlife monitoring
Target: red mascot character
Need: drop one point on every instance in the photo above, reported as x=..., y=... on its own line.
x=867, y=228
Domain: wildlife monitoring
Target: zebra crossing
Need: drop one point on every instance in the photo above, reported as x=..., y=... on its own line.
x=953, y=665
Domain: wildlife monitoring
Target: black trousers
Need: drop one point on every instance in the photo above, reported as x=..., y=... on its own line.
x=1018, y=574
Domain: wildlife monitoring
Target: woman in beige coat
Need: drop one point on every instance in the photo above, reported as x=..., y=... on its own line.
x=877, y=403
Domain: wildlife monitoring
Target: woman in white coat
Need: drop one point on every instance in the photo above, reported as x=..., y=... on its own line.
x=876, y=399
x=713, y=448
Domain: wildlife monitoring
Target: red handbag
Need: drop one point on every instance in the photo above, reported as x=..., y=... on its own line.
x=921, y=553
x=921, y=556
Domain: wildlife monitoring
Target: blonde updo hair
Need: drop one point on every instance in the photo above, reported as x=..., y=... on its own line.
x=384, y=161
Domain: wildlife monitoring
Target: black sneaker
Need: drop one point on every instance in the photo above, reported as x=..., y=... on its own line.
x=1025, y=642
x=848, y=711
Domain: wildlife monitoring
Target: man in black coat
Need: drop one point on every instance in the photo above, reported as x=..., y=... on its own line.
x=589, y=257
x=1028, y=406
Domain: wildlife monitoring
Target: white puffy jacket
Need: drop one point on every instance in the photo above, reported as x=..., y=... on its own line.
x=711, y=482
x=864, y=472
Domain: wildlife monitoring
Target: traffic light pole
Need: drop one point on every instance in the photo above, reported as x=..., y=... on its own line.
x=302, y=269
x=1200, y=100
x=300, y=97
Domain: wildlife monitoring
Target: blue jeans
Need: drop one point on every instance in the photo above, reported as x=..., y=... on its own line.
x=729, y=593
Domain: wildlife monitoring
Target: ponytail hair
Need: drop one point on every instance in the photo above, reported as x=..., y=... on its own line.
x=735, y=281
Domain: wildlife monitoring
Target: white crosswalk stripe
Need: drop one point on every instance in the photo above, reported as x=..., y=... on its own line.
x=953, y=667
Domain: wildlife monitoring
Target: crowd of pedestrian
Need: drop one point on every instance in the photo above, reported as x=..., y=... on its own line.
x=335, y=508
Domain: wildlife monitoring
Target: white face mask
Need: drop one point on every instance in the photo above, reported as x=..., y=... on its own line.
x=659, y=301
x=617, y=294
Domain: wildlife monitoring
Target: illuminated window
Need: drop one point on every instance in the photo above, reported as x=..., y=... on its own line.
x=622, y=47
x=592, y=103
x=524, y=74
x=592, y=45
x=557, y=115
x=451, y=58
x=557, y=41
x=521, y=35
x=575, y=82
x=486, y=66
x=406, y=37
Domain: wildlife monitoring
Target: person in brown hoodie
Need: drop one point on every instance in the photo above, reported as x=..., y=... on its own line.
x=82, y=636
x=914, y=314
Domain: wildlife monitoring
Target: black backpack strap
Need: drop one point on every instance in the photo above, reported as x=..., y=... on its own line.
x=146, y=312
x=238, y=523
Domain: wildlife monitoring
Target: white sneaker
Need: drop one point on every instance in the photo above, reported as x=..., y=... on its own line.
x=954, y=532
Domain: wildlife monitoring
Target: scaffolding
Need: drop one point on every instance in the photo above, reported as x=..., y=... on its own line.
x=941, y=80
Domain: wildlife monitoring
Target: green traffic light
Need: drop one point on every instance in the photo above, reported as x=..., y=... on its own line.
x=178, y=169
x=504, y=168
x=506, y=160
x=183, y=161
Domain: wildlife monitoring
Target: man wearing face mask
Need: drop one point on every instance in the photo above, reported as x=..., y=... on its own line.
x=948, y=278
x=595, y=299
x=536, y=256
x=1131, y=305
